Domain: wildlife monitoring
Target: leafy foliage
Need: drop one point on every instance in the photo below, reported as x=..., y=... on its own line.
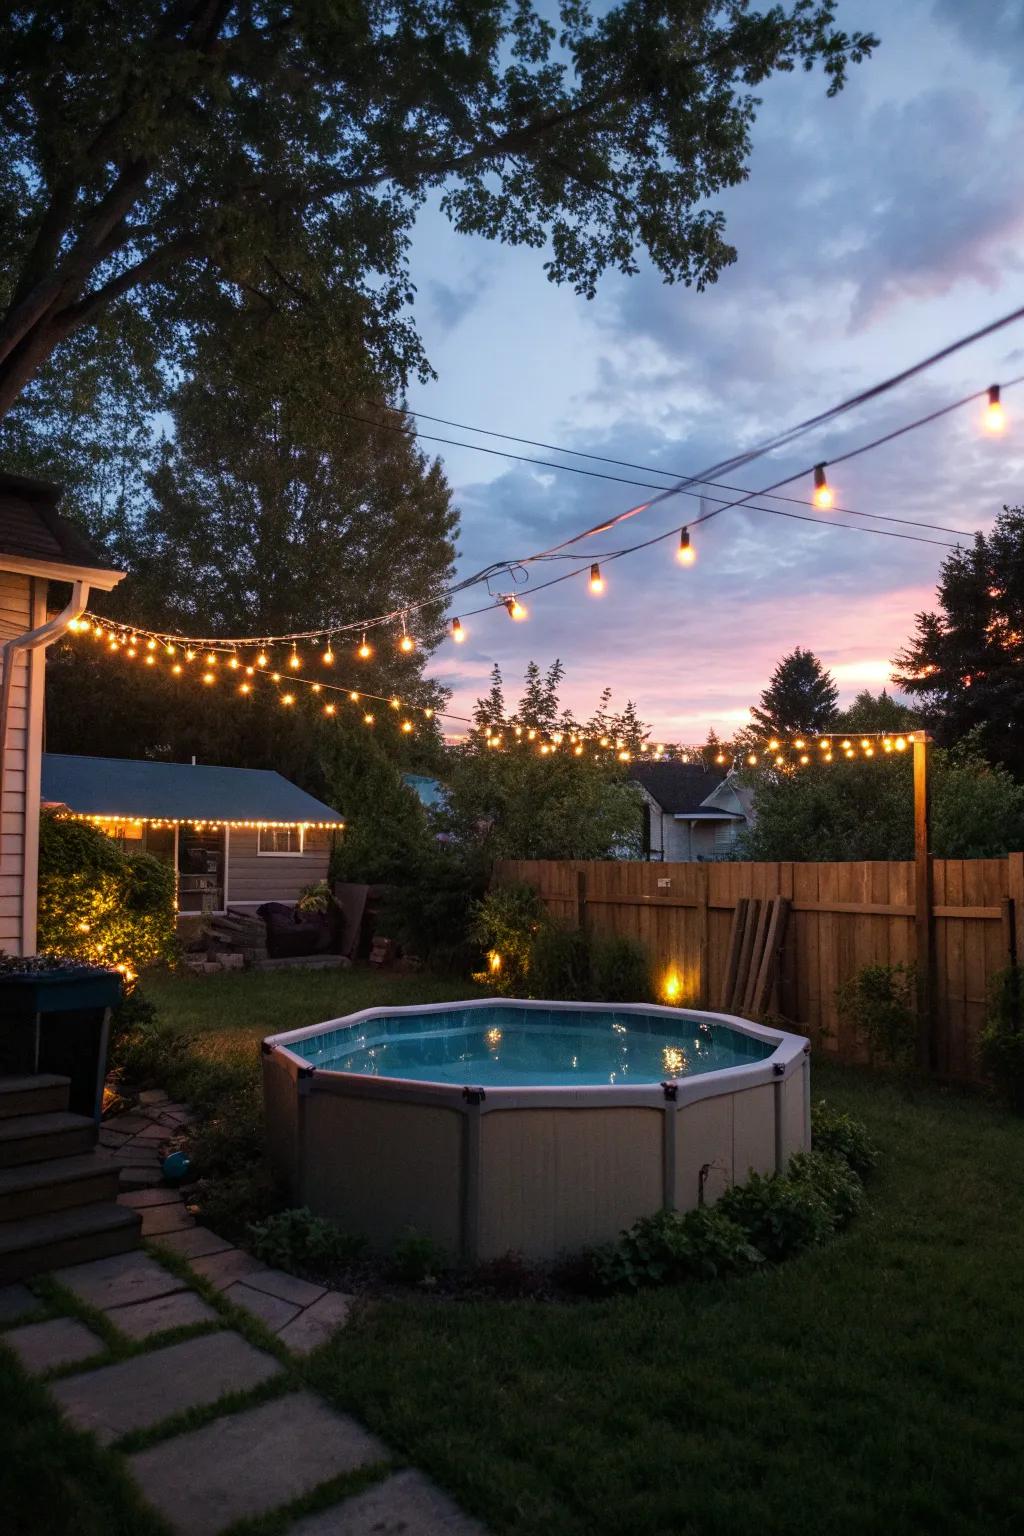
x=100, y=904
x=877, y=712
x=561, y=963
x=800, y=699
x=621, y=971
x=965, y=661
x=175, y=169
x=836, y=1133
x=416, y=1259
x=831, y=1178
x=667, y=1248
x=779, y=1216
x=505, y=924
x=864, y=810
x=295, y=1240
x=878, y=1002
x=431, y=911
x=1001, y=1043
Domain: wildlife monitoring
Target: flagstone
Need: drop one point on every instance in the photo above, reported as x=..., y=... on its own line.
x=224, y=1268
x=194, y=1242
x=288, y=1287
x=59, y=1341
x=315, y=1325
x=165, y=1218
x=247, y=1463
x=146, y=1389
x=180, y=1309
x=269, y=1309
x=139, y=1199
x=405, y=1504
x=122, y=1278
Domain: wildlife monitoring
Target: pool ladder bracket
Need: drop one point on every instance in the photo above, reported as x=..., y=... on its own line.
x=671, y=1091
x=474, y=1095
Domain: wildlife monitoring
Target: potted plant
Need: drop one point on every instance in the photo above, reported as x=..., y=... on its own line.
x=55, y=1017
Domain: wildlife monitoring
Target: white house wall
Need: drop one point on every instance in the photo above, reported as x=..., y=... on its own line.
x=22, y=607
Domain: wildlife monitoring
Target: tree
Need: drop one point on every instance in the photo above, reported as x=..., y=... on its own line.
x=966, y=661
x=168, y=162
x=865, y=810
x=491, y=710
x=800, y=699
x=869, y=712
x=539, y=706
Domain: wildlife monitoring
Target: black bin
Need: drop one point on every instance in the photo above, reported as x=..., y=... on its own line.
x=57, y=1020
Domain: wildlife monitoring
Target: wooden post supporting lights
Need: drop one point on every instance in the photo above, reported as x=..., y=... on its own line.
x=923, y=919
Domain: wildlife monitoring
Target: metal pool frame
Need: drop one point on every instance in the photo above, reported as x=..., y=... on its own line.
x=541, y=1171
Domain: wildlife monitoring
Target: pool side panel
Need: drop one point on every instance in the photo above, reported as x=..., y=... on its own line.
x=558, y=1180
x=753, y=1132
x=280, y=1099
x=379, y=1167
x=704, y=1151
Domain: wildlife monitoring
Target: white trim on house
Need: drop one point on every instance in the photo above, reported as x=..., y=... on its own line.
x=56, y=570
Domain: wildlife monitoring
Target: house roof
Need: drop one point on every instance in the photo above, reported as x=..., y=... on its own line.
x=36, y=538
x=677, y=787
x=131, y=789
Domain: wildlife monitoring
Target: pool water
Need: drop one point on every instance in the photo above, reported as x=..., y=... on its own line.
x=507, y=1047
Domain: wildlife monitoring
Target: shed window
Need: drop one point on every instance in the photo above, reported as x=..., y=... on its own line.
x=280, y=840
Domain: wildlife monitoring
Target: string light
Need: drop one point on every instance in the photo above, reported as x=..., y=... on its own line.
x=261, y=659
x=293, y=660
x=328, y=656
x=330, y=709
x=458, y=633
x=685, y=554
x=995, y=416
x=287, y=698
x=823, y=497
x=367, y=719
x=596, y=581
x=211, y=660
x=515, y=608
x=209, y=677
x=407, y=643
x=365, y=651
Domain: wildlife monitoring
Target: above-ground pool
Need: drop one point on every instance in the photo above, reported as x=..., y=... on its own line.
x=539, y=1127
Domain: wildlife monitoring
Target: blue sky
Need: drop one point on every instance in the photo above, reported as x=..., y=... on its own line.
x=873, y=228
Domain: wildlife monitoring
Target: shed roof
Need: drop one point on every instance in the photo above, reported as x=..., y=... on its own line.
x=677, y=787
x=140, y=790
x=32, y=530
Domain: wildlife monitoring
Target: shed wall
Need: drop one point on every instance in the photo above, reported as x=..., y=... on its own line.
x=21, y=608
x=255, y=877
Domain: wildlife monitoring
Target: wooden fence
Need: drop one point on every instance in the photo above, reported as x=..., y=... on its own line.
x=842, y=917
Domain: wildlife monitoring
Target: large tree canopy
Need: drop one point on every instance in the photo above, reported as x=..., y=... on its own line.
x=800, y=699
x=165, y=161
x=966, y=661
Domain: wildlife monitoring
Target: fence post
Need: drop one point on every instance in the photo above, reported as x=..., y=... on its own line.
x=581, y=900
x=1015, y=891
x=703, y=980
x=923, y=920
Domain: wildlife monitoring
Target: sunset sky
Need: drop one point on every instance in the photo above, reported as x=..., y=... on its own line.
x=874, y=228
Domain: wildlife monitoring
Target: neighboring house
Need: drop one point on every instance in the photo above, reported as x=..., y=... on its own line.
x=234, y=836
x=37, y=547
x=691, y=812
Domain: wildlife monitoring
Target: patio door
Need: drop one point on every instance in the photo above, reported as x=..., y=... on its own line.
x=202, y=861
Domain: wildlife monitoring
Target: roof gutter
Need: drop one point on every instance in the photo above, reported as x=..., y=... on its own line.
x=33, y=640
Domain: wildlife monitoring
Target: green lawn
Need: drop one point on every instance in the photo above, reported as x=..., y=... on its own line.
x=874, y=1386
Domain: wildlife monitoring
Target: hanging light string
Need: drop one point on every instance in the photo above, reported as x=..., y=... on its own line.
x=686, y=484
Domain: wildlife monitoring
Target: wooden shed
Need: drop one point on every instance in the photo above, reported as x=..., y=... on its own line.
x=37, y=547
x=235, y=836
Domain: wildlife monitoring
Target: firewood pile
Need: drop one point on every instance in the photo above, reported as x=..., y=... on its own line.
x=238, y=932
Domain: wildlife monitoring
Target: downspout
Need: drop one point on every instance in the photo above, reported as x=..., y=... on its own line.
x=33, y=640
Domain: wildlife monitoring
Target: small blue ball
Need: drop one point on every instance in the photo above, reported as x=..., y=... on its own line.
x=176, y=1166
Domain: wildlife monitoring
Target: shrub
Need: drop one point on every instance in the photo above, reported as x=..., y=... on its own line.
x=832, y=1179
x=779, y=1216
x=297, y=1240
x=878, y=1002
x=840, y=1134
x=431, y=912
x=100, y=904
x=560, y=964
x=621, y=971
x=416, y=1259
x=1001, y=1043
x=667, y=1247
x=505, y=924
x=314, y=898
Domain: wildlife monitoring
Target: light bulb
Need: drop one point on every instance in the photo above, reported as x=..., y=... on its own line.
x=458, y=633
x=245, y=687
x=995, y=416
x=287, y=698
x=233, y=663
x=211, y=660
x=150, y=644
x=329, y=709
x=773, y=745
x=596, y=580
x=407, y=644
x=367, y=719
x=354, y=697
x=823, y=497
x=395, y=702
x=261, y=659
x=150, y=661
x=209, y=677
x=176, y=668
x=407, y=726
x=685, y=554
x=328, y=656
x=169, y=650
x=515, y=608
x=293, y=660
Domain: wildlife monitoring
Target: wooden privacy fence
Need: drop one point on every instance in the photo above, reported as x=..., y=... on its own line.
x=841, y=917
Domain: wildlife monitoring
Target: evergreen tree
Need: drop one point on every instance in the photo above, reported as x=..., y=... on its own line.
x=965, y=662
x=491, y=710
x=800, y=699
x=881, y=712
x=599, y=723
x=627, y=727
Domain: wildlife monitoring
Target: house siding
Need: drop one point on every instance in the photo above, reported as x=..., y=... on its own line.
x=254, y=877
x=22, y=606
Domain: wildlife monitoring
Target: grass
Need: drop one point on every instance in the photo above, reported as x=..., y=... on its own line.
x=876, y=1385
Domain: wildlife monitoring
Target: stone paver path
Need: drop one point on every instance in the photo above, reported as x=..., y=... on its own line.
x=251, y=1461
x=258, y=1458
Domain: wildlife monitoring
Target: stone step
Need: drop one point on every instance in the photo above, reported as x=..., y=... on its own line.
x=32, y=1189
x=35, y=1138
x=36, y=1094
x=39, y=1243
